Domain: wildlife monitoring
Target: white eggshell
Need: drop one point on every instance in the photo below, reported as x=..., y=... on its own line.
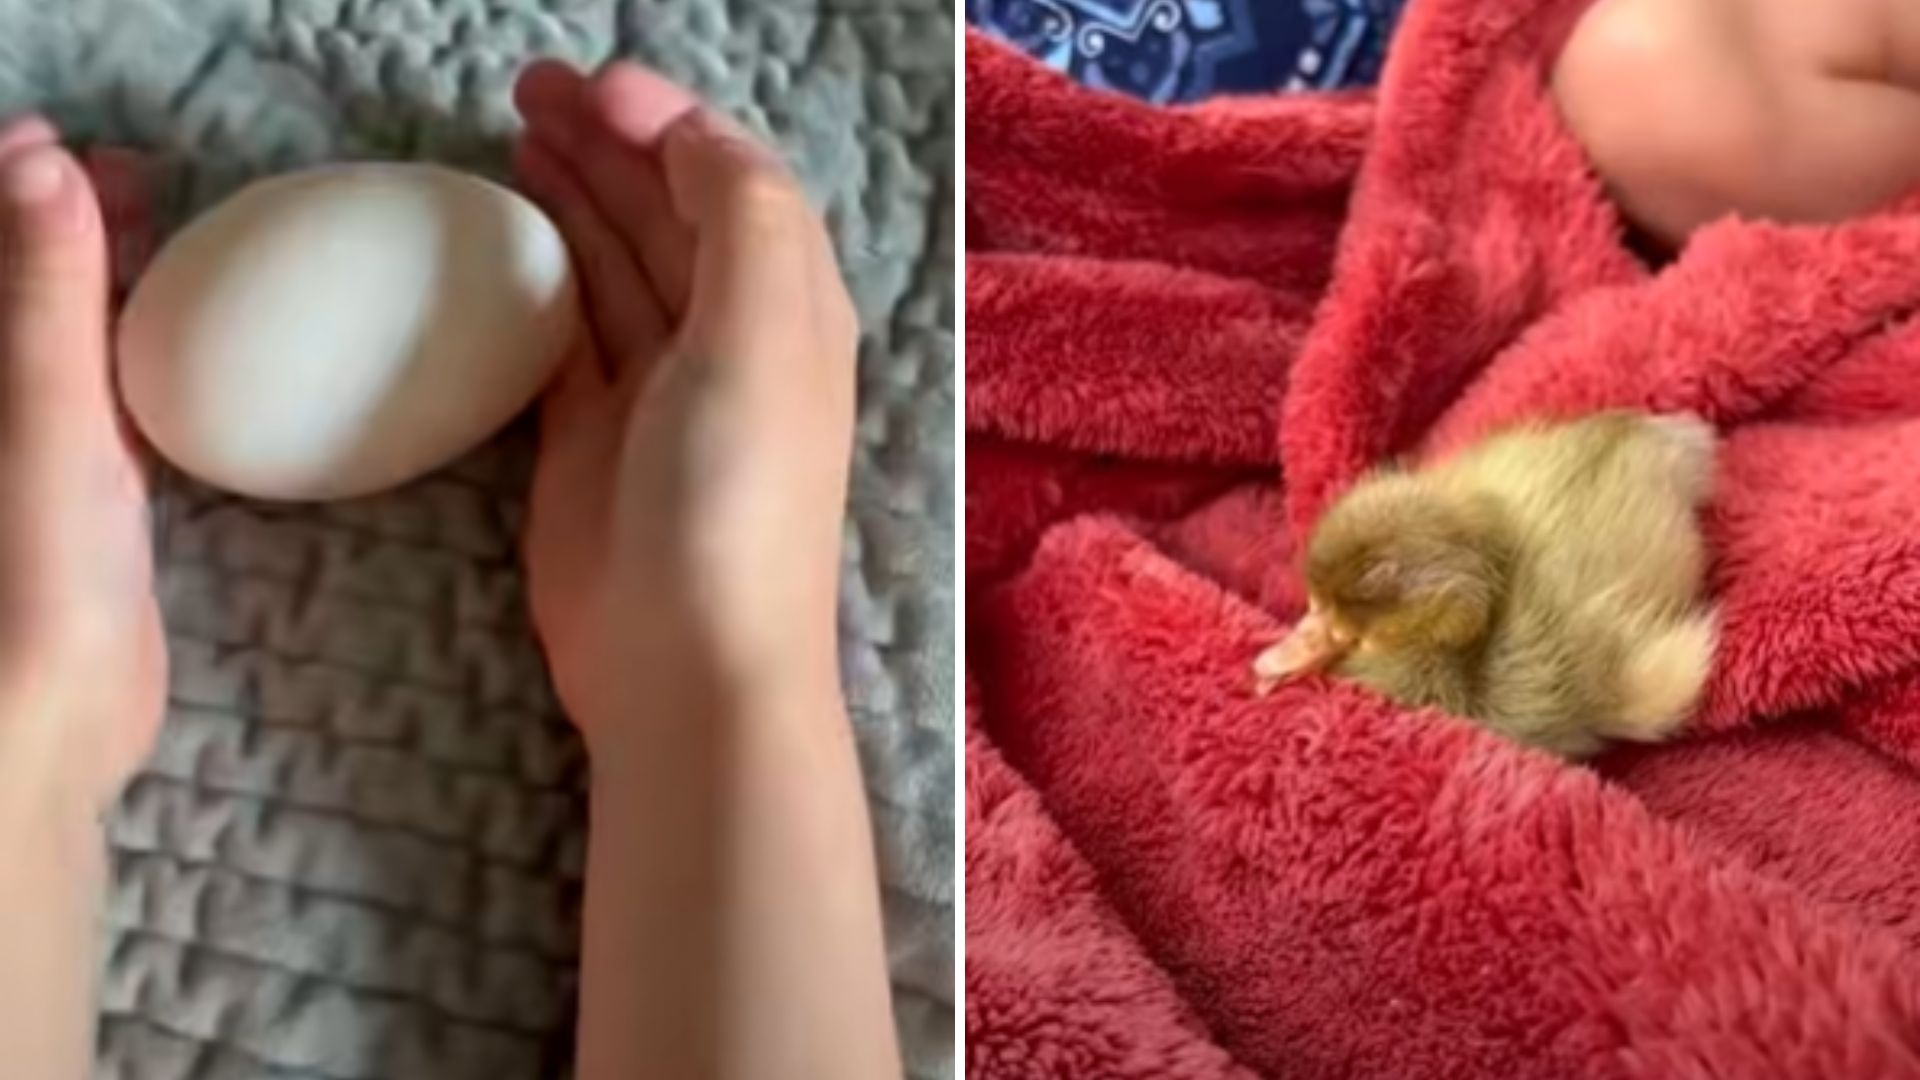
x=345, y=329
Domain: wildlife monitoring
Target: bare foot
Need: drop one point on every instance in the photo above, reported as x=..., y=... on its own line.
x=82, y=655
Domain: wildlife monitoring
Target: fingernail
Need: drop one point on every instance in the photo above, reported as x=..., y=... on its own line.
x=34, y=177
x=711, y=123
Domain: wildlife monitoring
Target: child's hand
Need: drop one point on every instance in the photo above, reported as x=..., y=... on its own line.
x=82, y=657
x=687, y=503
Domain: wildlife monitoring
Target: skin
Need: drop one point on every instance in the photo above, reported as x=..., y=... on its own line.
x=682, y=553
x=76, y=601
x=682, y=558
x=1695, y=109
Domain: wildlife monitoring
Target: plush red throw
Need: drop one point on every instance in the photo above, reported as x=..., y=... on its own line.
x=1187, y=330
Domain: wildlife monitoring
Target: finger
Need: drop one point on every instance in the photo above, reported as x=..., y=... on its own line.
x=629, y=191
x=25, y=131
x=549, y=96
x=759, y=246
x=637, y=103
x=578, y=390
x=564, y=112
x=53, y=299
x=620, y=306
x=631, y=108
x=580, y=428
x=123, y=182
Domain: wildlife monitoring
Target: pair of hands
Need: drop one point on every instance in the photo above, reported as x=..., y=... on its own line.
x=686, y=503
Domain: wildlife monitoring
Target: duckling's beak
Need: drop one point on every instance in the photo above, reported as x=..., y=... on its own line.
x=1315, y=644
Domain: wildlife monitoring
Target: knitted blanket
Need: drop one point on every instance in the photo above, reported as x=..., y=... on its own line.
x=356, y=853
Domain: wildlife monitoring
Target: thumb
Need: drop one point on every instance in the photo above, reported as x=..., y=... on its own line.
x=53, y=297
x=761, y=253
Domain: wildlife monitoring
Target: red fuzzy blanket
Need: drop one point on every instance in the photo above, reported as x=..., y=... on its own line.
x=1169, y=311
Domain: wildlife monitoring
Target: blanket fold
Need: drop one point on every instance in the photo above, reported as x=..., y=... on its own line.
x=1170, y=311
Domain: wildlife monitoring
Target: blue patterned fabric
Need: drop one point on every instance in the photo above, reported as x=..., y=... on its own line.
x=1168, y=51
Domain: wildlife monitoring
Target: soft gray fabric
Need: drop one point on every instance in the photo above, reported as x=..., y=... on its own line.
x=357, y=851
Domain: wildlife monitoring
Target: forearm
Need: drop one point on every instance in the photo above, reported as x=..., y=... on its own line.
x=732, y=909
x=50, y=892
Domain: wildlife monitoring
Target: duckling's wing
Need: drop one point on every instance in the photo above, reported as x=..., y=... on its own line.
x=1663, y=670
x=1602, y=503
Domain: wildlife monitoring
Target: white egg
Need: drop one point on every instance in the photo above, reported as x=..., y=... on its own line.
x=345, y=329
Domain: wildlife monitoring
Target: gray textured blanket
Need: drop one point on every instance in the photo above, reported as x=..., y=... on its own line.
x=357, y=852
